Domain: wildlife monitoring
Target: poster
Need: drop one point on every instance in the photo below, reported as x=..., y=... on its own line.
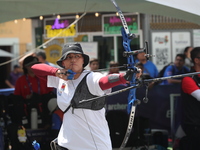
x=161, y=49
x=54, y=50
x=180, y=40
x=196, y=38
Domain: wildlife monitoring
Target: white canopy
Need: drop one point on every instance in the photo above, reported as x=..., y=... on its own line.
x=5, y=54
x=17, y=9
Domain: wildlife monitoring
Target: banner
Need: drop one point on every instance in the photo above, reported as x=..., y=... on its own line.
x=111, y=24
x=180, y=40
x=157, y=109
x=161, y=48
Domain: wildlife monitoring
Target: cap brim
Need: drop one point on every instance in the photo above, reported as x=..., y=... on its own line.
x=86, y=58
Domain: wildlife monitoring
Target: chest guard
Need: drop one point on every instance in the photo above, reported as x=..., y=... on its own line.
x=82, y=93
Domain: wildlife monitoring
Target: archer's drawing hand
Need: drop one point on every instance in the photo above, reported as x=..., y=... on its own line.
x=62, y=73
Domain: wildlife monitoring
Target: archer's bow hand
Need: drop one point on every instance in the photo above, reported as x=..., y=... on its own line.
x=130, y=72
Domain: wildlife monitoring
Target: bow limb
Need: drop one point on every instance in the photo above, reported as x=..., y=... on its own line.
x=132, y=102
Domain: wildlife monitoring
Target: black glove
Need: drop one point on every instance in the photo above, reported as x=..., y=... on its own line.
x=129, y=74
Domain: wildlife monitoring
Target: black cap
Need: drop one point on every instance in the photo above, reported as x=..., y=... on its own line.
x=29, y=61
x=72, y=48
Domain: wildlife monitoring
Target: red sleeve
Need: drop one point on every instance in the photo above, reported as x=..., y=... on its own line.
x=18, y=87
x=104, y=83
x=43, y=70
x=189, y=85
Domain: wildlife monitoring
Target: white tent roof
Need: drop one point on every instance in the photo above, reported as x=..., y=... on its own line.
x=5, y=54
x=17, y=9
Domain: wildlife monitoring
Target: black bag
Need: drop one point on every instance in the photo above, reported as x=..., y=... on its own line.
x=17, y=110
x=162, y=71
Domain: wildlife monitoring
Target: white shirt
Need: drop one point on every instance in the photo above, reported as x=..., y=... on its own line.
x=82, y=129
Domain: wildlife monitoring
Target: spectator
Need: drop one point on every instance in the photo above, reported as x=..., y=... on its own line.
x=22, y=58
x=113, y=67
x=30, y=92
x=28, y=83
x=188, y=61
x=41, y=55
x=175, y=69
x=94, y=64
x=14, y=75
x=149, y=67
x=144, y=75
x=191, y=105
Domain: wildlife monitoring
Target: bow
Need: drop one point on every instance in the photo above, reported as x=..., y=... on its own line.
x=132, y=101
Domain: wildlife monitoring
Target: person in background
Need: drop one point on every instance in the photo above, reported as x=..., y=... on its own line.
x=113, y=67
x=22, y=58
x=175, y=69
x=82, y=122
x=14, y=75
x=94, y=64
x=149, y=67
x=28, y=90
x=41, y=55
x=144, y=75
x=190, y=93
x=188, y=61
x=28, y=83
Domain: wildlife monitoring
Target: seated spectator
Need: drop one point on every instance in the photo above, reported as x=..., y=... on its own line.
x=94, y=64
x=149, y=67
x=14, y=75
x=175, y=69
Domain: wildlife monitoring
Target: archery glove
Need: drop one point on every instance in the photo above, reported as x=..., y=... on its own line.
x=129, y=73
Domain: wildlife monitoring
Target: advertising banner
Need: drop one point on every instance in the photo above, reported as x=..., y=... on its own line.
x=58, y=27
x=157, y=110
x=111, y=24
x=196, y=38
x=180, y=40
x=161, y=48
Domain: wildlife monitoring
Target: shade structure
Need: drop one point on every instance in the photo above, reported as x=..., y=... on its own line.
x=181, y=9
x=5, y=54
